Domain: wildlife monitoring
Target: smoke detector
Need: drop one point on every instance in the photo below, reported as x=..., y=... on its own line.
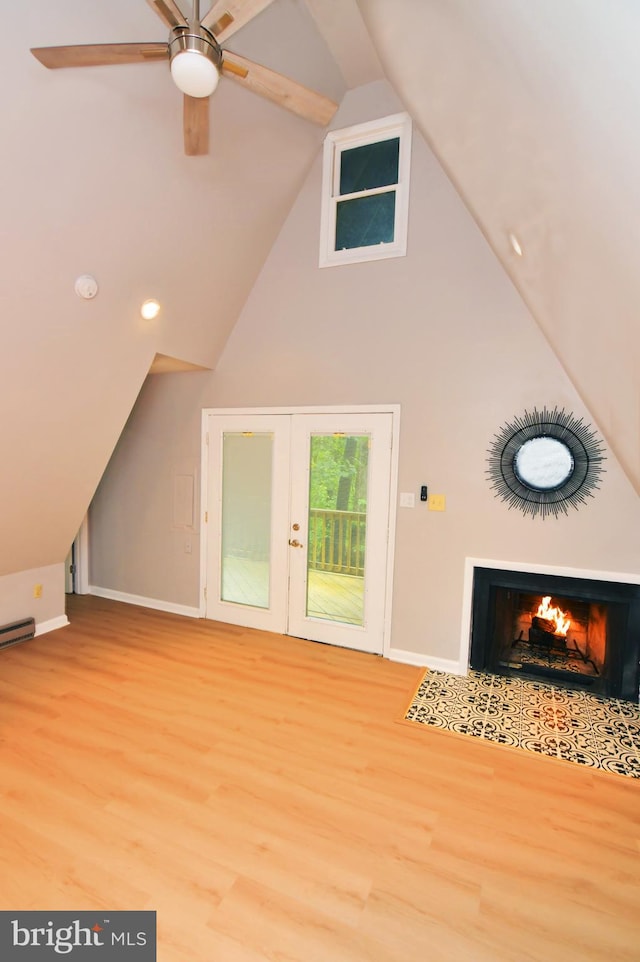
x=86, y=286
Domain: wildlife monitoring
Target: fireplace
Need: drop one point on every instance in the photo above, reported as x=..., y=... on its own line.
x=569, y=631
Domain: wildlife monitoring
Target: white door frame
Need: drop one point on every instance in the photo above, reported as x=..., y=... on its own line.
x=206, y=510
x=80, y=552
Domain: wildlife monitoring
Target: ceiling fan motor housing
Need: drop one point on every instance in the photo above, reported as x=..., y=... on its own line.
x=196, y=42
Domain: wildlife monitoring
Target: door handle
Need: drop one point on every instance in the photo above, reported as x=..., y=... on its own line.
x=295, y=543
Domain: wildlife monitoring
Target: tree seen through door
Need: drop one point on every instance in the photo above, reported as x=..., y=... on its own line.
x=338, y=477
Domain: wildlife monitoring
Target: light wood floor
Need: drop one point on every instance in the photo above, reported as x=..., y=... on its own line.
x=260, y=794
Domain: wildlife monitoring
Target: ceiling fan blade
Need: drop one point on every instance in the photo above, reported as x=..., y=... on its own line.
x=100, y=54
x=196, y=126
x=169, y=13
x=281, y=90
x=241, y=12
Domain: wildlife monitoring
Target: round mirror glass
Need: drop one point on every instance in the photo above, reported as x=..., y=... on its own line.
x=543, y=464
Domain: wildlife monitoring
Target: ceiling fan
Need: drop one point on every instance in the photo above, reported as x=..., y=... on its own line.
x=197, y=60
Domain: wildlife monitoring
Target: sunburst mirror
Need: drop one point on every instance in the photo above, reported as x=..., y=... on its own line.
x=545, y=461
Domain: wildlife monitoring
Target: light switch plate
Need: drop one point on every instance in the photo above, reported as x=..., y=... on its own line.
x=407, y=499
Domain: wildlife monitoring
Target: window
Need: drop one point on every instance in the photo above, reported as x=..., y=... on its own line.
x=365, y=191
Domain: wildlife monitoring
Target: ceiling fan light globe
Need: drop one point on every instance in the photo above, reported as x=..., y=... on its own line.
x=194, y=74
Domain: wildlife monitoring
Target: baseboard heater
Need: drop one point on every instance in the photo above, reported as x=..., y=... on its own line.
x=18, y=631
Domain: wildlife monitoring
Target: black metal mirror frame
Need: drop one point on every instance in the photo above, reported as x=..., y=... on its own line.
x=584, y=463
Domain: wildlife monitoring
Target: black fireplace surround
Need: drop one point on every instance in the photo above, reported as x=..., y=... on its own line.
x=600, y=652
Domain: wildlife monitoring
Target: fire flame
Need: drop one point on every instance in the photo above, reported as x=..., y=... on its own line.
x=550, y=613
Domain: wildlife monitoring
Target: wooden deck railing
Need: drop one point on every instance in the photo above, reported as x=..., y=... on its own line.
x=337, y=541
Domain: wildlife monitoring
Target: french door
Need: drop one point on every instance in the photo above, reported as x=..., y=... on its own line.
x=298, y=524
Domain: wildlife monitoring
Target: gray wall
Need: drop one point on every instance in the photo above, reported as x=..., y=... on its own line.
x=443, y=333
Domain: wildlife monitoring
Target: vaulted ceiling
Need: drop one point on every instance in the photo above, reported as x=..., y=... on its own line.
x=530, y=107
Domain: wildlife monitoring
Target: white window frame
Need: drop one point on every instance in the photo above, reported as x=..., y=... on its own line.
x=396, y=125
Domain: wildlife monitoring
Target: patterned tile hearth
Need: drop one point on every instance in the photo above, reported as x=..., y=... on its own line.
x=572, y=725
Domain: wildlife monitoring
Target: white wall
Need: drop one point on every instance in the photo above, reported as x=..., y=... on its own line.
x=528, y=106
x=17, y=599
x=443, y=333
x=93, y=179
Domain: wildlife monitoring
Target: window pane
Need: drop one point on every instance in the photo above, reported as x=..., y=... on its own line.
x=373, y=165
x=246, y=518
x=365, y=221
x=338, y=477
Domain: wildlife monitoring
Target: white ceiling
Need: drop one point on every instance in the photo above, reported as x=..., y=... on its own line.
x=97, y=165
x=531, y=108
x=94, y=180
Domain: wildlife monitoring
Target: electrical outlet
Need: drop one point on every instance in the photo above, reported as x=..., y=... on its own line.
x=437, y=502
x=37, y=591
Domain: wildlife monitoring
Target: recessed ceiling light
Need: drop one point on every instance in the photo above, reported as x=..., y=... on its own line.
x=515, y=243
x=150, y=309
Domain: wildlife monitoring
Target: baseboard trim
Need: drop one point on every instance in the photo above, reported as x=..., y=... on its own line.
x=143, y=602
x=426, y=661
x=51, y=625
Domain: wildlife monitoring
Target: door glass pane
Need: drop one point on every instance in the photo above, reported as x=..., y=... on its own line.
x=338, y=477
x=246, y=517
